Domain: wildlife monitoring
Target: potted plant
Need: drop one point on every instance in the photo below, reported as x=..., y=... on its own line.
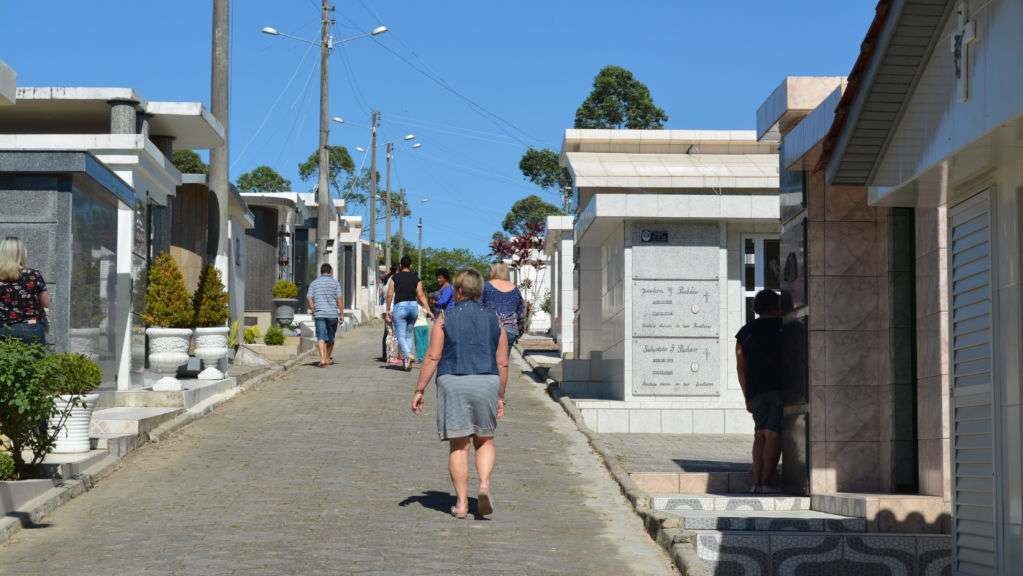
x=274, y=336
x=211, y=330
x=71, y=379
x=168, y=319
x=285, y=294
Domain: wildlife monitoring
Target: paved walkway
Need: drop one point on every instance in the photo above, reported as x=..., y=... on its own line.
x=327, y=472
x=681, y=452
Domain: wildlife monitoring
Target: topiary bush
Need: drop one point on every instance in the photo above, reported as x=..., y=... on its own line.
x=274, y=336
x=167, y=301
x=6, y=466
x=210, y=299
x=285, y=289
x=251, y=334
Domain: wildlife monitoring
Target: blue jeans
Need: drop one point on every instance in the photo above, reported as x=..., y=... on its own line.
x=404, y=315
x=27, y=333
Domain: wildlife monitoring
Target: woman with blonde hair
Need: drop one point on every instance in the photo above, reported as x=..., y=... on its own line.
x=23, y=295
x=469, y=352
x=503, y=297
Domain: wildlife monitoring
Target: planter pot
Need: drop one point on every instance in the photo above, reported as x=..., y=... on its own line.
x=284, y=311
x=168, y=349
x=210, y=347
x=74, y=437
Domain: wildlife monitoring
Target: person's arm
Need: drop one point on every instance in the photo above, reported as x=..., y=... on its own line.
x=44, y=299
x=310, y=306
x=421, y=297
x=740, y=367
x=502, y=371
x=444, y=297
x=429, y=364
x=340, y=299
x=390, y=299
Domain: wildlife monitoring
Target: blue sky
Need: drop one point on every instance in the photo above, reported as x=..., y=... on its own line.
x=530, y=63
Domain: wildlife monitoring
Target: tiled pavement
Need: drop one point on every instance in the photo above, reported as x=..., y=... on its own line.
x=326, y=472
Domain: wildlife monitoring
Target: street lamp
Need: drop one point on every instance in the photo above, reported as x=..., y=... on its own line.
x=387, y=197
x=338, y=119
x=326, y=44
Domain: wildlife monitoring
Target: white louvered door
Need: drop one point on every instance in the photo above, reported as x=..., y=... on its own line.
x=974, y=461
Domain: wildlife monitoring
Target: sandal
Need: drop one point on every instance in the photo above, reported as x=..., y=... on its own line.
x=460, y=515
x=484, y=507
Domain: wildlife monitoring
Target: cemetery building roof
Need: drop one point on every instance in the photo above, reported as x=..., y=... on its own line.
x=665, y=171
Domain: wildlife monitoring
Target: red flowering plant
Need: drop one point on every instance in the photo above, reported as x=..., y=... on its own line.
x=524, y=253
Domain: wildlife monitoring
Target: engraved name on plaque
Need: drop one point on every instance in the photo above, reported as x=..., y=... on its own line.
x=675, y=308
x=675, y=367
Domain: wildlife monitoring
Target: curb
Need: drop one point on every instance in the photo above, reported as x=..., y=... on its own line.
x=664, y=529
x=65, y=490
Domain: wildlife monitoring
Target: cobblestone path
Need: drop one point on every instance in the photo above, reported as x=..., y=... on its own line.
x=327, y=472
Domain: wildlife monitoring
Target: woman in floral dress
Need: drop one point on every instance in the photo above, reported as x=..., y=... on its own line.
x=23, y=295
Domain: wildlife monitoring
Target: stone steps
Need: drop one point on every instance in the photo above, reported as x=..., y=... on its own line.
x=195, y=392
x=768, y=521
x=129, y=421
x=714, y=482
x=729, y=502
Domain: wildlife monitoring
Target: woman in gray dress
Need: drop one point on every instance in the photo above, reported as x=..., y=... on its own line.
x=469, y=352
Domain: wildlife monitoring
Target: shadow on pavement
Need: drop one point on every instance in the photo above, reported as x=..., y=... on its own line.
x=434, y=500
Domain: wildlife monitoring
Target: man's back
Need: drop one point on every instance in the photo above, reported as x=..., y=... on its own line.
x=761, y=342
x=324, y=292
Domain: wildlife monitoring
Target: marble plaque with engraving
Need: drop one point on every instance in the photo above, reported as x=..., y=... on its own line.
x=676, y=367
x=675, y=308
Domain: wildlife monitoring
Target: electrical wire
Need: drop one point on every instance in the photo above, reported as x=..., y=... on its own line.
x=300, y=117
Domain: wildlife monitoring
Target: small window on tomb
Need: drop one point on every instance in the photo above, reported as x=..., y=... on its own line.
x=761, y=268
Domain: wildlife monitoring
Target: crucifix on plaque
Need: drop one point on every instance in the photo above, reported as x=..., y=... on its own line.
x=963, y=38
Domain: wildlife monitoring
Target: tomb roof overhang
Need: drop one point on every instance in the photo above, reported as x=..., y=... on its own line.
x=8, y=83
x=672, y=171
x=605, y=212
x=64, y=161
x=790, y=101
x=87, y=110
x=893, y=55
x=664, y=142
x=557, y=227
x=802, y=144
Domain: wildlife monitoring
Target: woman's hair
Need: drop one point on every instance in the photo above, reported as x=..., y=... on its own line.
x=406, y=262
x=13, y=257
x=469, y=284
x=443, y=272
x=499, y=271
x=766, y=301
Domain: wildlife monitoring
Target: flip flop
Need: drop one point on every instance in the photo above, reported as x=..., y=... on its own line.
x=461, y=516
x=485, y=507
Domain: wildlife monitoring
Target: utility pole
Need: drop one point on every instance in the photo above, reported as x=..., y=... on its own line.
x=401, y=224
x=420, y=265
x=220, y=86
x=323, y=187
x=387, y=206
x=373, y=210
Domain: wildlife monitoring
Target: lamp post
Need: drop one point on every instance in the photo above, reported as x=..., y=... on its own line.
x=387, y=197
x=326, y=44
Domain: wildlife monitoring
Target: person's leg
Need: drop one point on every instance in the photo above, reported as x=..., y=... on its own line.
x=320, y=337
x=332, y=334
x=771, y=455
x=411, y=315
x=458, y=467
x=401, y=328
x=758, y=458
x=486, y=456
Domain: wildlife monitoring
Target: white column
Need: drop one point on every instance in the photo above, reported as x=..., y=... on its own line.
x=125, y=237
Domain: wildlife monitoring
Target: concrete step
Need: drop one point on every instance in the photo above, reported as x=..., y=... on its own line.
x=770, y=553
x=716, y=482
x=129, y=421
x=768, y=521
x=892, y=513
x=71, y=465
x=728, y=502
x=195, y=392
x=117, y=445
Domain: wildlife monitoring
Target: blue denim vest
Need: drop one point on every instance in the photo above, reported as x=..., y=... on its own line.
x=471, y=336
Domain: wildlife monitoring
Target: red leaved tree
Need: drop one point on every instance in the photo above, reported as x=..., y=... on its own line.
x=524, y=253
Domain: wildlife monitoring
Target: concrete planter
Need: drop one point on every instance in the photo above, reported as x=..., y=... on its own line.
x=284, y=311
x=210, y=347
x=74, y=436
x=168, y=349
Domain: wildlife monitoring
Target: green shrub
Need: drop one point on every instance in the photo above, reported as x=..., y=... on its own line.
x=251, y=334
x=167, y=300
x=285, y=289
x=69, y=374
x=26, y=404
x=232, y=334
x=6, y=466
x=274, y=336
x=210, y=299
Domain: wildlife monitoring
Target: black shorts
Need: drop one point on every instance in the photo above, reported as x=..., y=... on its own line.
x=767, y=409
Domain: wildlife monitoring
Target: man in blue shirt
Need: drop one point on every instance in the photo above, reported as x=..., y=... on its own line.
x=323, y=298
x=445, y=294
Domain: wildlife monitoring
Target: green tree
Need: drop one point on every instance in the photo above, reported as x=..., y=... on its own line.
x=168, y=304
x=454, y=260
x=188, y=162
x=619, y=100
x=542, y=166
x=529, y=210
x=210, y=300
x=339, y=170
x=263, y=179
